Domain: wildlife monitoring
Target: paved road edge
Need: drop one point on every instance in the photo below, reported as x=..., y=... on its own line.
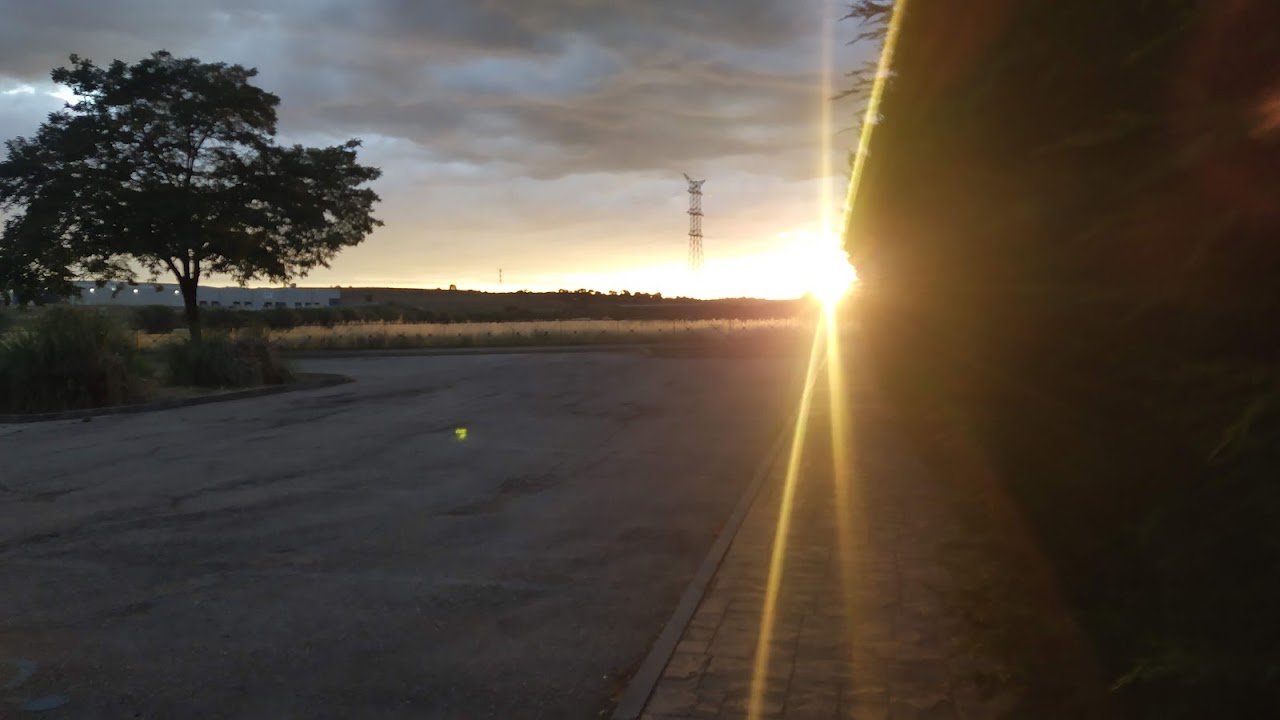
x=646, y=678
x=307, y=381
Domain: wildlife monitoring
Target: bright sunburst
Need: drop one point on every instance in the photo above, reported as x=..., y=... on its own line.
x=831, y=278
x=824, y=266
x=789, y=265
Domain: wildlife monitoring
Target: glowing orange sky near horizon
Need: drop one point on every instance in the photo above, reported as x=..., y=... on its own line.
x=795, y=264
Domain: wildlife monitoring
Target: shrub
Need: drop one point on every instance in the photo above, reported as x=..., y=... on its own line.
x=272, y=369
x=156, y=319
x=321, y=317
x=219, y=361
x=220, y=318
x=68, y=359
x=410, y=314
x=6, y=321
x=280, y=318
x=384, y=313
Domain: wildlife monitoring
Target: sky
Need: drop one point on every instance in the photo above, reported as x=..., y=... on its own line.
x=545, y=138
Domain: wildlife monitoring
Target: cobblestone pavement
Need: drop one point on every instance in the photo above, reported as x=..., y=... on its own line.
x=886, y=640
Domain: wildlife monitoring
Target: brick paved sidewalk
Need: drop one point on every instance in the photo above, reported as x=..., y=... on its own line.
x=899, y=648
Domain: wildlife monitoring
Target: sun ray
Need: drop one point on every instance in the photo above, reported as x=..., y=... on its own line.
x=842, y=472
x=826, y=332
x=826, y=127
x=872, y=114
x=842, y=438
x=759, y=675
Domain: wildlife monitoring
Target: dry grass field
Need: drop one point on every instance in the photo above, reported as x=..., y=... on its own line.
x=390, y=336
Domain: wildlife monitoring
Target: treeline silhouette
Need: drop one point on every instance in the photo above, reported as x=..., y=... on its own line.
x=395, y=305
x=1069, y=237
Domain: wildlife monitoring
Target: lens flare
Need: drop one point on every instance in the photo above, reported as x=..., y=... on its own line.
x=831, y=279
x=872, y=114
x=831, y=274
x=842, y=474
x=768, y=615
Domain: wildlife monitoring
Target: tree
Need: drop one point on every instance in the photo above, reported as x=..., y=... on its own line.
x=872, y=17
x=171, y=165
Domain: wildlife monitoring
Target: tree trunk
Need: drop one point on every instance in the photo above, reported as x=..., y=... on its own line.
x=188, y=287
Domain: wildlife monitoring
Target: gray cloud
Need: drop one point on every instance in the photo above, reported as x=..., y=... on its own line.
x=513, y=101
x=619, y=85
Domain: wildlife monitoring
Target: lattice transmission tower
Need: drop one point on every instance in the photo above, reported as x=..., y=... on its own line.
x=695, y=223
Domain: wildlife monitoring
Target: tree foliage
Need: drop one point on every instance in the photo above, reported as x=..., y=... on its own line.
x=170, y=165
x=1095, y=145
x=872, y=18
x=1067, y=230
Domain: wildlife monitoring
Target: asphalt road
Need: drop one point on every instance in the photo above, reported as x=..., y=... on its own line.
x=348, y=553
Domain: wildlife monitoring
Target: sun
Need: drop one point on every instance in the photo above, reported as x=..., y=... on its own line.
x=788, y=265
x=823, y=265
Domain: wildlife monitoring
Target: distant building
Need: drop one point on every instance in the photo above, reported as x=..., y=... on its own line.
x=236, y=298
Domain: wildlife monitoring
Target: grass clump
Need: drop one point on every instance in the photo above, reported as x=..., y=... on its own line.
x=219, y=361
x=69, y=359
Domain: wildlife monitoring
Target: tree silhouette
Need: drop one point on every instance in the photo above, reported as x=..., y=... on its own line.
x=171, y=165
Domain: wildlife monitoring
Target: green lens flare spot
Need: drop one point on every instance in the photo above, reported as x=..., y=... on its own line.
x=460, y=433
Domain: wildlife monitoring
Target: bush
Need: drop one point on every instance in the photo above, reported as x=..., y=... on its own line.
x=321, y=317
x=6, y=321
x=219, y=361
x=156, y=319
x=280, y=318
x=69, y=359
x=383, y=313
x=411, y=314
x=220, y=318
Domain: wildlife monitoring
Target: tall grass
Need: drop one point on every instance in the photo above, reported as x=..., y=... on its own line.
x=69, y=359
x=375, y=336
x=222, y=362
x=157, y=319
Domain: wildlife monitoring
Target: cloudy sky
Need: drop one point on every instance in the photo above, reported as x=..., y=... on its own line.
x=543, y=137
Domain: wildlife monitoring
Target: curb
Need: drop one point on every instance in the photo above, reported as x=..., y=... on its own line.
x=646, y=678
x=306, y=381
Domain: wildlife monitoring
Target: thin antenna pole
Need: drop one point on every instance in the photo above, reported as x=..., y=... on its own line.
x=695, y=223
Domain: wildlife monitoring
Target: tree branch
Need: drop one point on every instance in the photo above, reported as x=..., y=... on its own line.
x=173, y=267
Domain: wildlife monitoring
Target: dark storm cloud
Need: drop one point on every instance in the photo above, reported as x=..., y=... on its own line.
x=613, y=86
x=553, y=87
x=641, y=118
